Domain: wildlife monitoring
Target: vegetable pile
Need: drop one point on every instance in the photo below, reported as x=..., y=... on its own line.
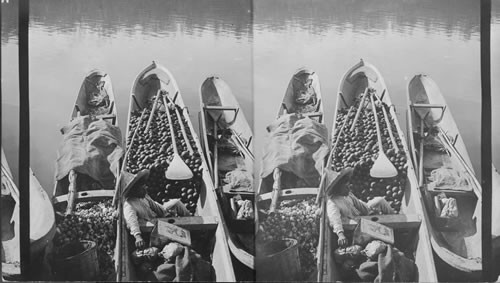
x=359, y=149
x=92, y=221
x=296, y=219
x=153, y=150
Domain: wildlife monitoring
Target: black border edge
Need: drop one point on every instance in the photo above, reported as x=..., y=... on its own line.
x=486, y=151
x=24, y=141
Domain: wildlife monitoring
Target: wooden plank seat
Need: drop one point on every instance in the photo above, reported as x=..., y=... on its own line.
x=191, y=223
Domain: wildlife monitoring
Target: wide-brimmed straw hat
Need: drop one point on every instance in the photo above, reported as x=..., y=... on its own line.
x=128, y=180
x=333, y=178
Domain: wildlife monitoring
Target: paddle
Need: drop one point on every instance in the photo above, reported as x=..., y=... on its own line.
x=359, y=109
x=382, y=167
x=389, y=128
x=322, y=182
x=421, y=157
x=153, y=110
x=184, y=133
x=177, y=170
x=323, y=224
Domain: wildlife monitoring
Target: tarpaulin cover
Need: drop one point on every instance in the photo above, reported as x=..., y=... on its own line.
x=92, y=147
x=296, y=144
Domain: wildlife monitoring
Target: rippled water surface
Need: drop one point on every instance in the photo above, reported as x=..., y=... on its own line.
x=68, y=38
x=401, y=38
x=197, y=38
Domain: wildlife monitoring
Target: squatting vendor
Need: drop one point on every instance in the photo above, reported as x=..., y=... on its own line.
x=342, y=204
x=140, y=207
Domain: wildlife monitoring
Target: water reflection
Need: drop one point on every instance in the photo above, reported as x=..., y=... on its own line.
x=155, y=18
x=449, y=17
x=401, y=38
x=9, y=21
x=193, y=39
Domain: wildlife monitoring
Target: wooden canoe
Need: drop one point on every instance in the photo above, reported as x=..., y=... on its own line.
x=146, y=86
x=459, y=247
x=288, y=105
x=94, y=80
x=408, y=222
x=288, y=184
x=42, y=218
x=219, y=106
x=86, y=188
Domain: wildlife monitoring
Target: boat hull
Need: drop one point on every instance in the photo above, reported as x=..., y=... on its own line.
x=459, y=250
x=216, y=92
x=145, y=87
x=352, y=85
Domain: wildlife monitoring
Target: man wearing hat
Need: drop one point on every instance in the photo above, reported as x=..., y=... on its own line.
x=139, y=207
x=342, y=204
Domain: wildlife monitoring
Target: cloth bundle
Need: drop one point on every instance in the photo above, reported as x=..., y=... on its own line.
x=91, y=147
x=297, y=144
x=390, y=266
x=181, y=264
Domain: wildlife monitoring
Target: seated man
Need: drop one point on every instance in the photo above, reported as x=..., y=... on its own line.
x=342, y=204
x=139, y=206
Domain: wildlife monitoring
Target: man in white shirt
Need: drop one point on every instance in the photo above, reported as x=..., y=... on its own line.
x=342, y=204
x=139, y=207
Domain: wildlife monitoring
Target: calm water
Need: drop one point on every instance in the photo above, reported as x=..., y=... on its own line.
x=401, y=38
x=193, y=39
x=197, y=38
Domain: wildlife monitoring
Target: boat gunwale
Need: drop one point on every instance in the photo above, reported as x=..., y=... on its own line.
x=454, y=260
x=235, y=246
x=415, y=198
x=207, y=185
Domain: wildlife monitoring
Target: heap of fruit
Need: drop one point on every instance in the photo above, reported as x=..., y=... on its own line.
x=91, y=221
x=153, y=150
x=359, y=149
x=296, y=219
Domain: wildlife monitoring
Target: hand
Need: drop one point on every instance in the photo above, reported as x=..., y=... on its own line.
x=342, y=240
x=139, y=242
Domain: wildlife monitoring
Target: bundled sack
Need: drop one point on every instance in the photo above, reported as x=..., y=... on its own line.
x=446, y=206
x=188, y=267
x=445, y=178
x=147, y=255
x=353, y=253
x=296, y=144
x=246, y=209
x=239, y=180
x=390, y=265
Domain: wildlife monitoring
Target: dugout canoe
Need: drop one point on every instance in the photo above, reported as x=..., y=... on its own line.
x=288, y=106
x=411, y=230
x=221, y=111
x=287, y=187
x=145, y=87
x=86, y=188
x=42, y=218
x=94, y=81
x=457, y=246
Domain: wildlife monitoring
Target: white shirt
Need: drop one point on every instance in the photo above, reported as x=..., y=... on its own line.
x=343, y=208
x=141, y=209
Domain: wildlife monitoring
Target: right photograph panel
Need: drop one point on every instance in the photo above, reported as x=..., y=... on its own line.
x=367, y=140
x=495, y=132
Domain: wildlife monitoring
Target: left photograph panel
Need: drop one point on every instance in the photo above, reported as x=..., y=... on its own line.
x=140, y=118
x=10, y=139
